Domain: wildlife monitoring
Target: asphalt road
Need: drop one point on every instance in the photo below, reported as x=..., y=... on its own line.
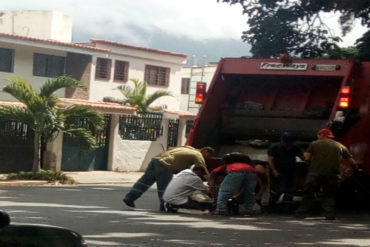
x=98, y=213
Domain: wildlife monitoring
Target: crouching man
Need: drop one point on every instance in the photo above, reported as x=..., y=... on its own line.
x=240, y=176
x=187, y=190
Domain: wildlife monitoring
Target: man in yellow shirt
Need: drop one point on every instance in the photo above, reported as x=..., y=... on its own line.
x=162, y=167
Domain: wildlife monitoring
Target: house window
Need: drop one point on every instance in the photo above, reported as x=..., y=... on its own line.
x=6, y=60
x=103, y=67
x=48, y=65
x=185, y=84
x=156, y=76
x=121, y=71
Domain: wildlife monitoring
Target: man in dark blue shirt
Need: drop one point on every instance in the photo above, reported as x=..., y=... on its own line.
x=282, y=162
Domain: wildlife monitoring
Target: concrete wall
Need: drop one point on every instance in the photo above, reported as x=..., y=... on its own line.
x=23, y=67
x=132, y=155
x=137, y=60
x=129, y=155
x=38, y=24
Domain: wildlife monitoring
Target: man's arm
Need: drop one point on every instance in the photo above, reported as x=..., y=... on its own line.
x=307, y=157
x=199, y=161
x=271, y=161
x=199, y=185
x=349, y=158
x=215, y=173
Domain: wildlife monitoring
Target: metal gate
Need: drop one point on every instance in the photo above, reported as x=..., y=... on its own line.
x=173, y=132
x=16, y=147
x=76, y=158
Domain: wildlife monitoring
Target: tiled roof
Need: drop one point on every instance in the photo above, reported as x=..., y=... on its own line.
x=181, y=113
x=137, y=47
x=102, y=106
x=91, y=46
x=53, y=42
x=12, y=103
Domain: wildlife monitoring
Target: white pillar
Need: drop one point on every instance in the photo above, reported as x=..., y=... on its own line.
x=113, y=134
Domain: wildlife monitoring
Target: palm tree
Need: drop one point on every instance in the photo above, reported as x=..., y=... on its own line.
x=44, y=114
x=137, y=96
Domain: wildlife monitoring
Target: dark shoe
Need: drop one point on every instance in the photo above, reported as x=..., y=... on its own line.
x=162, y=207
x=300, y=214
x=221, y=213
x=129, y=203
x=169, y=208
x=330, y=217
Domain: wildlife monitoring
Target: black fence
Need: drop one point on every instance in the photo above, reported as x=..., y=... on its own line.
x=16, y=146
x=173, y=133
x=101, y=135
x=143, y=126
x=189, y=124
x=18, y=130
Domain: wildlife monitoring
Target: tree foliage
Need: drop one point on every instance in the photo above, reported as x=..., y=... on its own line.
x=44, y=114
x=343, y=53
x=136, y=96
x=297, y=27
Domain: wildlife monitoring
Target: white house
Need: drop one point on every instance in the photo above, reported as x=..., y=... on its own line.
x=101, y=65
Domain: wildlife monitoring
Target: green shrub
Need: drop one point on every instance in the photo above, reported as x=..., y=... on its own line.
x=47, y=175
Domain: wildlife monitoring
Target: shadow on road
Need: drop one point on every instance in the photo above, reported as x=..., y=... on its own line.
x=98, y=214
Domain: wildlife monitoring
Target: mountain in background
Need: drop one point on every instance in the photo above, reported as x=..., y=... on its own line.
x=199, y=52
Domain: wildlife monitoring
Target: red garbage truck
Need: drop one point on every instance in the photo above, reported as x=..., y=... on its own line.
x=251, y=102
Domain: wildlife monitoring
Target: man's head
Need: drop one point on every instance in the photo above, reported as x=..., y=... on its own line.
x=236, y=157
x=325, y=133
x=200, y=171
x=207, y=152
x=287, y=139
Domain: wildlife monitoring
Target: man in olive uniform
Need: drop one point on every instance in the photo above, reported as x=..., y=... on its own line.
x=162, y=167
x=324, y=156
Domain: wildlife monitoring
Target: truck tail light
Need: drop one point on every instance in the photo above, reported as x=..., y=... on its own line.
x=200, y=92
x=344, y=98
x=345, y=90
x=344, y=102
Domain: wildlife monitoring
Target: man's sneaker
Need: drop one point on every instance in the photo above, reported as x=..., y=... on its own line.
x=129, y=203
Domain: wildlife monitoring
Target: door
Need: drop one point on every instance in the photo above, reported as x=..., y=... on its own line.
x=76, y=158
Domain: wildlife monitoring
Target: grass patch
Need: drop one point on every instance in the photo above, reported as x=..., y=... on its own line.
x=50, y=176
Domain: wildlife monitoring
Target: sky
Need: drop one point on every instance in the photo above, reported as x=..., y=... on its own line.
x=205, y=30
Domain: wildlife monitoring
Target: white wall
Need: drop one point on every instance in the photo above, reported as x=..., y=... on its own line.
x=133, y=155
x=137, y=60
x=38, y=24
x=129, y=155
x=23, y=67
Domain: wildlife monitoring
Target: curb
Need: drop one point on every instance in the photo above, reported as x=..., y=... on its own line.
x=41, y=182
x=23, y=183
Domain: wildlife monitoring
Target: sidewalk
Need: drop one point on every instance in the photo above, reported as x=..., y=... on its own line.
x=85, y=177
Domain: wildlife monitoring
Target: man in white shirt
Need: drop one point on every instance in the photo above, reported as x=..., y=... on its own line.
x=179, y=191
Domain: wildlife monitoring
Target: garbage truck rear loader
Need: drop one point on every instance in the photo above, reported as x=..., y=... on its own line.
x=251, y=102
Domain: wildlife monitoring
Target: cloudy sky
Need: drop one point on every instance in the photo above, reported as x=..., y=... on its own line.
x=202, y=29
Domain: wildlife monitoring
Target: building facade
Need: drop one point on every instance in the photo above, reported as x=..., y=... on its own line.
x=102, y=66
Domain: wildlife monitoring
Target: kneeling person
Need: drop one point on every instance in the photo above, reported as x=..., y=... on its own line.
x=179, y=191
x=241, y=176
